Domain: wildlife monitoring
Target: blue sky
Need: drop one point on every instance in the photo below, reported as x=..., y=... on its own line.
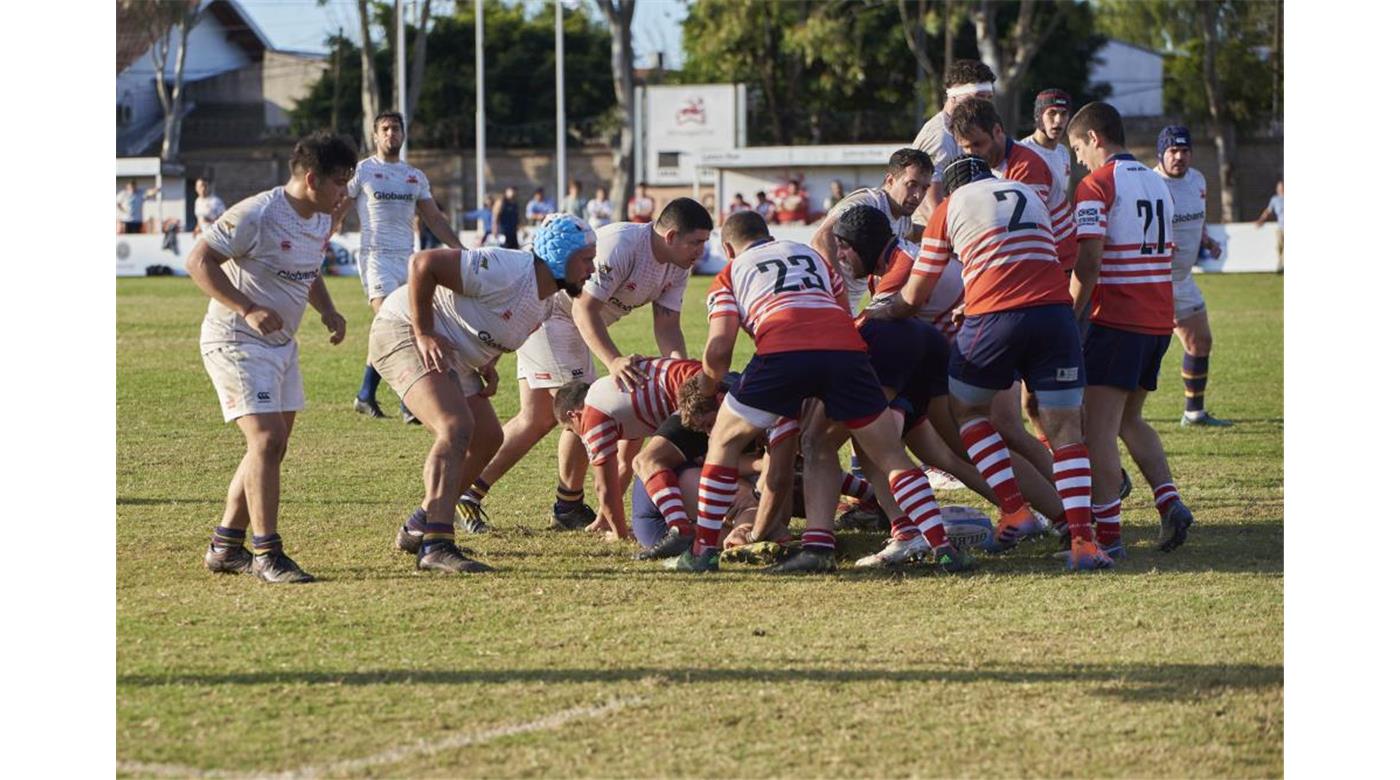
x=302, y=25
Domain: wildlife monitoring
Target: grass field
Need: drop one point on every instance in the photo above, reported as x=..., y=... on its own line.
x=573, y=659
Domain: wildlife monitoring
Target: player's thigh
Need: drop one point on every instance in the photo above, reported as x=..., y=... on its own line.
x=266, y=432
x=735, y=426
x=537, y=406
x=438, y=401
x=1194, y=333
x=1103, y=413
x=881, y=439
x=486, y=430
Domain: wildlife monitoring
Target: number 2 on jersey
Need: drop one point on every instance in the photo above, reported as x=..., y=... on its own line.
x=809, y=277
x=1144, y=210
x=1016, y=212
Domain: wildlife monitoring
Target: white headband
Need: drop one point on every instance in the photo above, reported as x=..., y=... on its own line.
x=970, y=89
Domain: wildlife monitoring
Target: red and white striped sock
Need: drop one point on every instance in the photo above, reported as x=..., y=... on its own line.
x=915, y=499
x=857, y=488
x=1109, y=522
x=1164, y=495
x=665, y=492
x=819, y=540
x=1072, y=482
x=903, y=529
x=718, y=484
x=993, y=462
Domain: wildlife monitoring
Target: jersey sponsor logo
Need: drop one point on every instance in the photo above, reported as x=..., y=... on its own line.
x=1176, y=218
x=286, y=246
x=619, y=304
x=488, y=340
x=412, y=180
x=1087, y=215
x=394, y=195
x=505, y=315
x=1070, y=374
x=299, y=276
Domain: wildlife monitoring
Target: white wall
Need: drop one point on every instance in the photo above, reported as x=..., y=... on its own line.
x=209, y=53
x=1135, y=75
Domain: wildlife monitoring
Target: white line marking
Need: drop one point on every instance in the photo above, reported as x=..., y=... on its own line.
x=395, y=755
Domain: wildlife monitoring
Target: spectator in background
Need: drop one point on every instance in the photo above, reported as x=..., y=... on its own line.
x=791, y=207
x=641, y=206
x=505, y=220
x=598, y=209
x=482, y=215
x=837, y=194
x=573, y=202
x=708, y=201
x=763, y=206
x=738, y=204
x=538, y=208
x=208, y=207
x=1275, y=208
x=131, y=204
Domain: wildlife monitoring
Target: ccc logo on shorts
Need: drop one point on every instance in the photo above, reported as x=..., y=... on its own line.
x=264, y=397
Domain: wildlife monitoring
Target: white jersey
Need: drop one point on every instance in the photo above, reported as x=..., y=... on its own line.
x=901, y=226
x=386, y=197
x=1057, y=159
x=208, y=209
x=935, y=138
x=947, y=294
x=1188, y=220
x=274, y=257
x=499, y=309
x=628, y=276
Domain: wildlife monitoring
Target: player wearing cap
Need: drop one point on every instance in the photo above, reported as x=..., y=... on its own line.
x=964, y=79
x=638, y=264
x=436, y=342
x=1123, y=215
x=1188, y=189
x=1018, y=320
x=1052, y=107
x=260, y=264
x=387, y=193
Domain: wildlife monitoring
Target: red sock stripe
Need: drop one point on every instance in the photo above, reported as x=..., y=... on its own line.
x=665, y=492
x=1164, y=494
x=813, y=537
x=903, y=528
x=915, y=498
x=1111, y=513
x=855, y=487
x=718, y=484
x=993, y=461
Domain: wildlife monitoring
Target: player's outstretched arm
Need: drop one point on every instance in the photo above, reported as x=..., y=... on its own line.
x=666, y=323
x=203, y=267
x=436, y=221
x=824, y=240
x=588, y=316
x=1086, y=272
x=320, y=299
x=608, y=484
x=426, y=271
x=775, y=489
x=719, y=351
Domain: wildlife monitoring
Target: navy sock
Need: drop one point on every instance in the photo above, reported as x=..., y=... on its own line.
x=566, y=498
x=264, y=545
x=1194, y=372
x=228, y=537
x=369, y=386
x=436, y=535
x=418, y=521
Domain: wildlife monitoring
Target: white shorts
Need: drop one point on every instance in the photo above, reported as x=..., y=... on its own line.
x=1187, y=298
x=255, y=378
x=382, y=274
x=554, y=355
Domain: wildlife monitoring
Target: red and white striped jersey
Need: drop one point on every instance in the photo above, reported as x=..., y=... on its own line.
x=947, y=293
x=610, y=414
x=1129, y=206
x=787, y=297
x=1000, y=229
x=1023, y=164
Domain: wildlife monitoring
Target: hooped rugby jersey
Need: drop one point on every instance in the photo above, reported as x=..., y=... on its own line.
x=1057, y=159
x=787, y=297
x=1130, y=208
x=386, y=196
x=1188, y=220
x=274, y=256
x=875, y=198
x=610, y=414
x=947, y=294
x=499, y=308
x=1000, y=229
x=1022, y=164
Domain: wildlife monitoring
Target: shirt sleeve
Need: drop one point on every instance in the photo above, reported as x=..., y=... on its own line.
x=352, y=189
x=1033, y=172
x=614, y=264
x=476, y=265
x=425, y=190
x=721, y=301
x=1092, y=197
x=235, y=234
x=674, y=297
x=600, y=435
x=935, y=249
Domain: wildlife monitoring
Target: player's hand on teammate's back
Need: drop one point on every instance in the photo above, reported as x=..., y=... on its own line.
x=430, y=349
x=335, y=324
x=625, y=372
x=959, y=314
x=263, y=320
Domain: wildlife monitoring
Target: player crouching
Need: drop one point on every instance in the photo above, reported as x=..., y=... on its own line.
x=436, y=342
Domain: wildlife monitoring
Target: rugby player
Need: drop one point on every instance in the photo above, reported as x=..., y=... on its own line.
x=637, y=264
x=1018, y=321
x=386, y=193
x=1052, y=107
x=1123, y=216
x=1188, y=189
x=260, y=264
x=436, y=342
x=964, y=79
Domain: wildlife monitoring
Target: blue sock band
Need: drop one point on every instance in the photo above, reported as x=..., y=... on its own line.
x=369, y=386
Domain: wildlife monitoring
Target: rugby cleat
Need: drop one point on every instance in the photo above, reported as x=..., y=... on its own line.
x=1084, y=555
x=938, y=479
x=1125, y=487
x=948, y=558
x=755, y=554
x=578, y=516
x=863, y=518
x=1117, y=551
x=471, y=517
x=277, y=567
x=895, y=552
x=1205, y=420
x=688, y=561
x=369, y=409
x=449, y=557
x=228, y=560
x=1174, y=524
x=1011, y=530
x=808, y=560
x=669, y=546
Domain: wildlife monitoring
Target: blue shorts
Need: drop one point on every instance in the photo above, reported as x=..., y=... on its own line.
x=647, y=523
x=910, y=357
x=1122, y=358
x=778, y=383
x=1039, y=345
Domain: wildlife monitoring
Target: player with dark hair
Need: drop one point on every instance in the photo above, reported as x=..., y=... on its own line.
x=260, y=264
x=1123, y=214
x=1052, y=107
x=792, y=302
x=387, y=193
x=965, y=79
x=1018, y=320
x=437, y=340
x=637, y=264
x=1188, y=189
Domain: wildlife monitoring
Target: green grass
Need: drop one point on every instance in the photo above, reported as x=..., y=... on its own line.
x=1171, y=665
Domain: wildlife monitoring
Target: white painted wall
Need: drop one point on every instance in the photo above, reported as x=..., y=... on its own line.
x=209, y=53
x=1135, y=75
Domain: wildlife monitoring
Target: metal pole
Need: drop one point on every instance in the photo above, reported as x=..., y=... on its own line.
x=400, y=74
x=480, y=117
x=560, y=172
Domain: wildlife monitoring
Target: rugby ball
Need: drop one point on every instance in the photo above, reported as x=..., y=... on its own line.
x=966, y=527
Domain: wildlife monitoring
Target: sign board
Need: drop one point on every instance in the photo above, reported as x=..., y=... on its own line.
x=680, y=122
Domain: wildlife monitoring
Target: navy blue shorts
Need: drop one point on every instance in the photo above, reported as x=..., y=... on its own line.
x=843, y=380
x=910, y=357
x=1121, y=358
x=1039, y=345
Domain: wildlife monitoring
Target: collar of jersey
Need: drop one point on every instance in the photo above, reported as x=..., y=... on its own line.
x=762, y=241
x=1123, y=156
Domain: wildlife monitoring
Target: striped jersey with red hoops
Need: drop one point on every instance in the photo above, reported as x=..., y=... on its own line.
x=1022, y=164
x=1000, y=229
x=610, y=414
x=787, y=297
x=1128, y=205
x=947, y=294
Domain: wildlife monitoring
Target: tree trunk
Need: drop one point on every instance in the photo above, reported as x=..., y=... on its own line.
x=624, y=179
x=174, y=118
x=1221, y=124
x=420, y=60
x=369, y=80
x=916, y=39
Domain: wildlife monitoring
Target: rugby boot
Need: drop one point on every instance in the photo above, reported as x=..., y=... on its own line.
x=809, y=560
x=278, y=567
x=1204, y=420
x=950, y=559
x=1125, y=487
x=1085, y=555
x=895, y=552
x=689, y=561
x=938, y=479
x=863, y=517
x=471, y=517
x=369, y=409
x=578, y=516
x=1174, y=524
x=669, y=546
x=1011, y=530
x=448, y=557
x=222, y=559
x=755, y=554
x=408, y=418
x=1116, y=551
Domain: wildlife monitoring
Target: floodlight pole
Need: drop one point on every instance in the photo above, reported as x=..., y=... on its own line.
x=400, y=75
x=480, y=119
x=560, y=167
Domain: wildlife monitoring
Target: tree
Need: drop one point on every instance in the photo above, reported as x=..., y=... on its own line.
x=919, y=19
x=369, y=80
x=1009, y=52
x=160, y=23
x=619, y=16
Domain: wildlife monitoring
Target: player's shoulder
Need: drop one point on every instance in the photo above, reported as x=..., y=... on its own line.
x=865, y=196
x=257, y=207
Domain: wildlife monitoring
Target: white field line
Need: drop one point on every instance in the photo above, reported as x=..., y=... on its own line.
x=394, y=755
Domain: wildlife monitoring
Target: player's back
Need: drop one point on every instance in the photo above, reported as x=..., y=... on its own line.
x=947, y=294
x=787, y=297
x=1024, y=164
x=1129, y=206
x=611, y=413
